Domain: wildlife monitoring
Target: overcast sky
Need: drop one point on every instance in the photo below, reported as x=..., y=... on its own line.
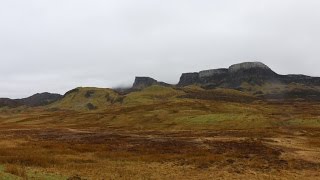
x=57, y=45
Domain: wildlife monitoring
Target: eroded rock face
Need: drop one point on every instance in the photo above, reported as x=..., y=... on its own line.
x=142, y=82
x=213, y=77
x=188, y=79
x=212, y=72
x=249, y=72
x=247, y=66
x=252, y=72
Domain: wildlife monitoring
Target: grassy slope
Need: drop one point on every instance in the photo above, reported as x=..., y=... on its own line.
x=153, y=94
x=154, y=108
x=99, y=97
x=160, y=107
x=30, y=174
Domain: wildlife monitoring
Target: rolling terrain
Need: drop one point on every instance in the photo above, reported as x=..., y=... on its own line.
x=244, y=122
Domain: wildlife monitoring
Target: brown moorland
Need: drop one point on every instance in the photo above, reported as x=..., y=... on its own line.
x=163, y=133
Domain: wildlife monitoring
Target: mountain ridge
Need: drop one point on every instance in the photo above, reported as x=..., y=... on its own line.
x=236, y=74
x=255, y=78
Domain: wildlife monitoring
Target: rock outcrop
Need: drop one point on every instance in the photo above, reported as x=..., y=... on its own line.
x=143, y=82
x=255, y=73
x=248, y=66
x=188, y=79
x=212, y=72
x=250, y=72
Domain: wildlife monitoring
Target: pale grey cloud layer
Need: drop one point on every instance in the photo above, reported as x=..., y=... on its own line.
x=56, y=45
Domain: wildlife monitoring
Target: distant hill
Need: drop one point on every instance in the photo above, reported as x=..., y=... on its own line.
x=39, y=99
x=11, y=103
x=254, y=73
x=243, y=82
x=257, y=79
x=91, y=98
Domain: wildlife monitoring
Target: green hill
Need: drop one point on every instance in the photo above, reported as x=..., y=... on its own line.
x=88, y=98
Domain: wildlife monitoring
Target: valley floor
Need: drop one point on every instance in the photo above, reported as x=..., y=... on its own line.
x=162, y=134
x=38, y=152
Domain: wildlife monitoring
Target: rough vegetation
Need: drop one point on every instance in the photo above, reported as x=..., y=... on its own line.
x=256, y=130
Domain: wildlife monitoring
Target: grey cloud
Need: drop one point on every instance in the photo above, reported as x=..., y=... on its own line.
x=57, y=45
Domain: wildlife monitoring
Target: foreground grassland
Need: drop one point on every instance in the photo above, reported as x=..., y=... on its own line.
x=162, y=133
x=62, y=153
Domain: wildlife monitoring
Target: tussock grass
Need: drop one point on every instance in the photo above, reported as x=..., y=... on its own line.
x=16, y=170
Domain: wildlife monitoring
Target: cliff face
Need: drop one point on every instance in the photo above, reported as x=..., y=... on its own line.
x=213, y=72
x=250, y=72
x=248, y=66
x=143, y=82
x=213, y=77
x=188, y=79
x=254, y=73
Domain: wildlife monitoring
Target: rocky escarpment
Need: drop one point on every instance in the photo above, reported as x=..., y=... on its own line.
x=212, y=76
x=248, y=66
x=189, y=78
x=213, y=72
x=250, y=72
x=255, y=73
x=231, y=76
x=143, y=82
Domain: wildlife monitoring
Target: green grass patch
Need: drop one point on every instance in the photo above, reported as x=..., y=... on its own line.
x=151, y=94
x=224, y=121
x=30, y=175
x=304, y=122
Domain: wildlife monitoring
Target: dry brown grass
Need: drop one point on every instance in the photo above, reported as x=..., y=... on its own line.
x=26, y=155
x=16, y=170
x=121, y=154
x=183, y=139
